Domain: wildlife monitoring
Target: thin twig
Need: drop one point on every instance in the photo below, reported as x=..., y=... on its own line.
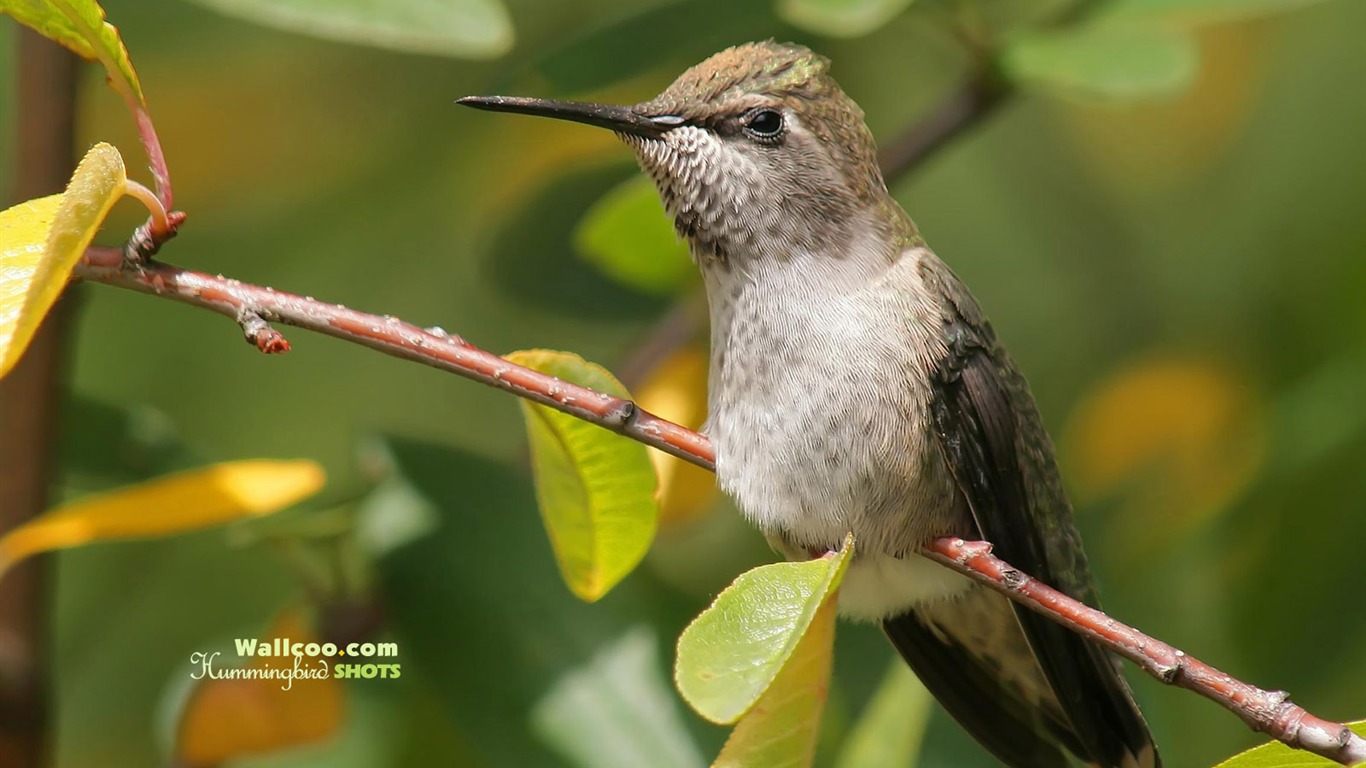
x=1269, y=712
x=675, y=328
x=964, y=108
x=156, y=157
x=259, y=333
x=1262, y=710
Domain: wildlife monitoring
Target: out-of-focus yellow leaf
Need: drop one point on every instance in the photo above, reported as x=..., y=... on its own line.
x=80, y=26
x=232, y=718
x=677, y=390
x=781, y=728
x=1181, y=437
x=1159, y=143
x=596, y=489
x=732, y=653
x=183, y=502
x=41, y=241
x=227, y=156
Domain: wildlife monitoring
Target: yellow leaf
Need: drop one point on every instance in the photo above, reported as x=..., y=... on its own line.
x=677, y=390
x=80, y=26
x=41, y=241
x=596, y=490
x=1160, y=144
x=183, y=502
x=1180, y=439
x=228, y=719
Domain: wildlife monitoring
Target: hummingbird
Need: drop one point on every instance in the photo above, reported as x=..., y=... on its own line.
x=855, y=385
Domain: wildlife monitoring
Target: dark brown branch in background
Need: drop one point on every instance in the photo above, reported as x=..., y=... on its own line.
x=1263, y=710
x=963, y=109
x=673, y=330
x=29, y=395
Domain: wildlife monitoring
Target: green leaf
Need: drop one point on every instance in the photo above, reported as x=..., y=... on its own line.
x=1278, y=755
x=80, y=26
x=596, y=490
x=1200, y=11
x=732, y=652
x=393, y=515
x=475, y=29
x=1109, y=61
x=627, y=235
x=41, y=241
x=617, y=710
x=780, y=730
x=841, y=18
x=889, y=733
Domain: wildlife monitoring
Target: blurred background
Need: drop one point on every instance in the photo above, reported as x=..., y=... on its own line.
x=1173, y=254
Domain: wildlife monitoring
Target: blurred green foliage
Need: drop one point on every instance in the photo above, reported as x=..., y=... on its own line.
x=474, y=28
x=1217, y=233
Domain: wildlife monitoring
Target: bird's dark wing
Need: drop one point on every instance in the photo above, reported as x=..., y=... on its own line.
x=1002, y=461
x=1022, y=731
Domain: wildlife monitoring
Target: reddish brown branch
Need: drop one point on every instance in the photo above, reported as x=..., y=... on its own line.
x=156, y=157
x=1262, y=710
x=255, y=306
x=1269, y=712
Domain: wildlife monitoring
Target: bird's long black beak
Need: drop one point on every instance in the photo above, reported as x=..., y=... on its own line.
x=619, y=119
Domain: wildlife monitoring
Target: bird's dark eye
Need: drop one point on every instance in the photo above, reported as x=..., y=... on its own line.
x=764, y=123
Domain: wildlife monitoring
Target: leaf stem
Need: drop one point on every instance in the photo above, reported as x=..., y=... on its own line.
x=149, y=199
